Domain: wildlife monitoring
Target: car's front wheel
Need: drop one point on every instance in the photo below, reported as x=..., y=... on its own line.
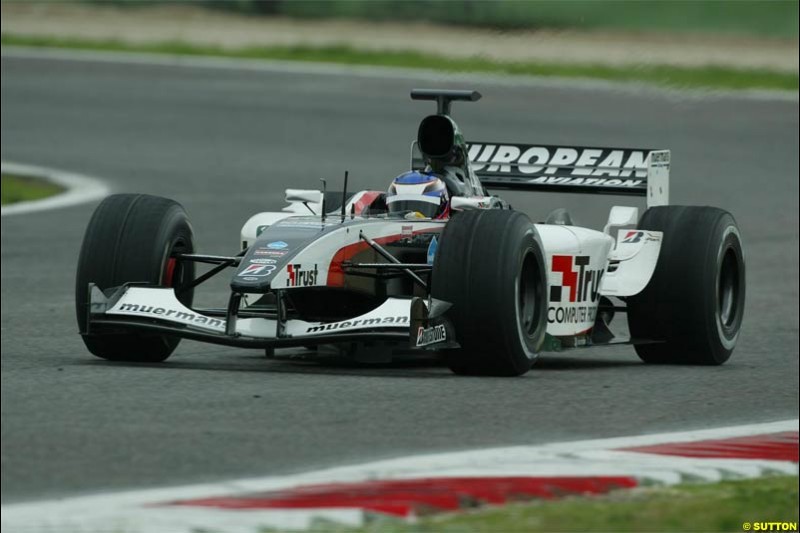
x=490, y=266
x=133, y=238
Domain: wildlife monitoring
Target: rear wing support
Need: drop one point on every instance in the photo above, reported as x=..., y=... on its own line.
x=589, y=170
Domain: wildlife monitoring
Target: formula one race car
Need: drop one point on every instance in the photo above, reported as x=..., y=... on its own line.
x=434, y=263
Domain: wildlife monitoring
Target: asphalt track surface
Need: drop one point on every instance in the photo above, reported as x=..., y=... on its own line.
x=226, y=143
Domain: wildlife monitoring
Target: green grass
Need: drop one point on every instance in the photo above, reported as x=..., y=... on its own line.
x=702, y=507
x=766, y=18
x=21, y=189
x=677, y=77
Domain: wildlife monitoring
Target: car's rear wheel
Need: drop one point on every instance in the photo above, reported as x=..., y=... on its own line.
x=490, y=266
x=133, y=238
x=694, y=302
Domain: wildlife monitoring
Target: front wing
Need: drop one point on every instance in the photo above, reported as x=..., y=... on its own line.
x=158, y=310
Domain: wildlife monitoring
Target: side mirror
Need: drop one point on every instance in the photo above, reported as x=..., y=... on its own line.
x=304, y=196
x=463, y=203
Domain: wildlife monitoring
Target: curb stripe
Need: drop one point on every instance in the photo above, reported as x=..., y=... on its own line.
x=412, y=497
x=79, y=188
x=425, y=495
x=407, y=487
x=774, y=447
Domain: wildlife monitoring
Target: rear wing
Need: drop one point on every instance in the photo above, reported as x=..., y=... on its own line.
x=588, y=170
x=617, y=171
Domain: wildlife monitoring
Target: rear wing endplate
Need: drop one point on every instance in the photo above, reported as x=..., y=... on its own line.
x=616, y=171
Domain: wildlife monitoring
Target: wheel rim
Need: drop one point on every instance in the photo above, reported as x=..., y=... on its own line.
x=175, y=272
x=728, y=290
x=169, y=272
x=529, y=294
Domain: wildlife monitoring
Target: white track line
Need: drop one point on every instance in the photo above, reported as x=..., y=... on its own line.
x=365, y=71
x=144, y=510
x=79, y=188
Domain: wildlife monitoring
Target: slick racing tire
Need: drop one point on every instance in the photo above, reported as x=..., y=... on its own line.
x=694, y=302
x=133, y=238
x=490, y=266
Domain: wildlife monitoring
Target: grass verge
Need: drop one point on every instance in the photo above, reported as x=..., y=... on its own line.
x=711, y=77
x=773, y=18
x=722, y=506
x=22, y=189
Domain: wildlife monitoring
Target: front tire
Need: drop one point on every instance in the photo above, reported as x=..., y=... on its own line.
x=133, y=238
x=490, y=266
x=695, y=300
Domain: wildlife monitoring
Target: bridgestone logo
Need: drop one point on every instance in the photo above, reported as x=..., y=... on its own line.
x=172, y=314
x=426, y=336
x=361, y=323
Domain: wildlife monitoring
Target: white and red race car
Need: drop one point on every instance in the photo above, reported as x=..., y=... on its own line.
x=482, y=284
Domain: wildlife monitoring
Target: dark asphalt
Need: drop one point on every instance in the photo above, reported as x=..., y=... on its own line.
x=226, y=143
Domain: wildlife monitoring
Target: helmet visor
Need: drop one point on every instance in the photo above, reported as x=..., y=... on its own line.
x=426, y=209
x=414, y=206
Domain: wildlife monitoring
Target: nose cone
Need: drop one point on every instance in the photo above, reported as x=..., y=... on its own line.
x=272, y=253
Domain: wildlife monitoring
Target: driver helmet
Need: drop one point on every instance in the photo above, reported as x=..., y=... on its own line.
x=419, y=193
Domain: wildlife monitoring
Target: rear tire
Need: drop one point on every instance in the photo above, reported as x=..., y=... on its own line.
x=131, y=238
x=695, y=299
x=490, y=266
